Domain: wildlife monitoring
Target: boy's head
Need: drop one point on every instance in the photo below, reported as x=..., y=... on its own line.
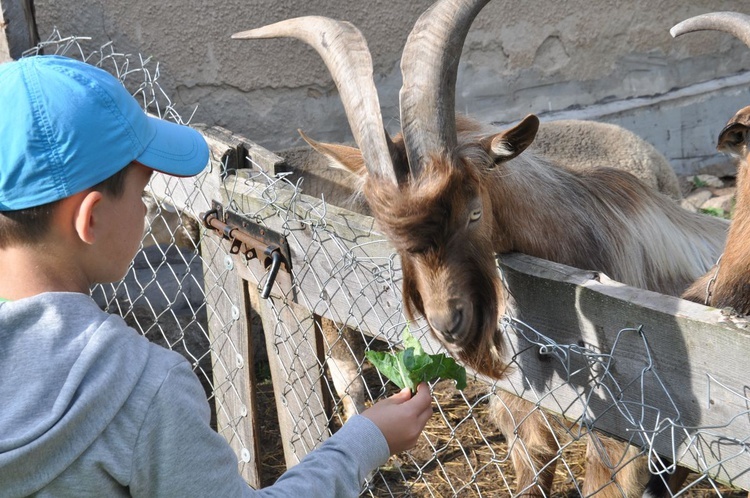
x=29, y=226
x=66, y=126
x=67, y=129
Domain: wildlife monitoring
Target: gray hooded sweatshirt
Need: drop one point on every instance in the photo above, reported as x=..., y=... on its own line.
x=88, y=407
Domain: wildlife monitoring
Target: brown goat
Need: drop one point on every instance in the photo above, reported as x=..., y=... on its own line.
x=580, y=145
x=449, y=195
x=726, y=285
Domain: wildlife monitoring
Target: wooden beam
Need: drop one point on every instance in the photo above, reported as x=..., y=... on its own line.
x=297, y=374
x=652, y=369
x=232, y=356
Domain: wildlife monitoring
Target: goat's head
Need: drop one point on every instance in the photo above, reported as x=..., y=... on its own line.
x=733, y=139
x=427, y=188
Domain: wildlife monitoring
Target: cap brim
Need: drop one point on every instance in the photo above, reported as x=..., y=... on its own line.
x=175, y=149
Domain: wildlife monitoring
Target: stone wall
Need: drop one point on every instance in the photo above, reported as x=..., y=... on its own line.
x=608, y=60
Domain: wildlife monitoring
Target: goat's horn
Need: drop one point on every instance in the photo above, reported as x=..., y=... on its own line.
x=344, y=51
x=730, y=22
x=429, y=66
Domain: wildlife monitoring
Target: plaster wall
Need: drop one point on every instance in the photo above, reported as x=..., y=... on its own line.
x=554, y=58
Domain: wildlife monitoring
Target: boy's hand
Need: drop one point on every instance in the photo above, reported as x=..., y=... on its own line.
x=402, y=417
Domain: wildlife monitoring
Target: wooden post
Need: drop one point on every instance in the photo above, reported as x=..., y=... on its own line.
x=297, y=374
x=232, y=356
x=17, y=28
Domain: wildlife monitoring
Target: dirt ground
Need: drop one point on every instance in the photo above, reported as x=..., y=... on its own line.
x=459, y=455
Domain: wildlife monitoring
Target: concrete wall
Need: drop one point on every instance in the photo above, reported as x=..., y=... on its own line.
x=609, y=60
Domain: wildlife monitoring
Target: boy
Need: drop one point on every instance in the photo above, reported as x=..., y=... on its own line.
x=88, y=407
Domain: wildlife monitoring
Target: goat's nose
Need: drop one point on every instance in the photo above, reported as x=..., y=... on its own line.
x=448, y=323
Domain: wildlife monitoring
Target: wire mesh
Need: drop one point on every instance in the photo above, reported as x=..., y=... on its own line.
x=181, y=292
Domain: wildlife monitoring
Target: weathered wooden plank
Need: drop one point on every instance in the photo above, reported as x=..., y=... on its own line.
x=232, y=356
x=297, y=375
x=17, y=28
x=292, y=345
x=668, y=373
x=240, y=152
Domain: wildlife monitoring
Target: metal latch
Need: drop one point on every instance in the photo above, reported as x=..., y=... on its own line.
x=252, y=240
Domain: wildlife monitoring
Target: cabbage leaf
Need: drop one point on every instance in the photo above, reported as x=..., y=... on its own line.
x=410, y=366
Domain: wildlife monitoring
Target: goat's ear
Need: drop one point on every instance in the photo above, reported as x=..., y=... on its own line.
x=733, y=138
x=341, y=156
x=510, y=143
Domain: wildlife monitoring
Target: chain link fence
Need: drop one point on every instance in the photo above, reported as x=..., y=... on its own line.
x=285, y=371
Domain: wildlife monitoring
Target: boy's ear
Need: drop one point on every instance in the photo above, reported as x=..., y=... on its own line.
x=85, y=221
x=510, y=143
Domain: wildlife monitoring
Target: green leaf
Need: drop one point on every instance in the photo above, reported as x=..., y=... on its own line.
x=698, y=183
x=409, y=367
x=390, y=366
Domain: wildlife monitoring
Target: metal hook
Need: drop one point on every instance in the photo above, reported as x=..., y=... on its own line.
x=276, y=260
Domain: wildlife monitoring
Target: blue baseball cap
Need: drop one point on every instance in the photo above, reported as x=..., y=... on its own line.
x=66, y=126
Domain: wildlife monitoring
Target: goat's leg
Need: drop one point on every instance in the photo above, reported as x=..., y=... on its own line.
x=666, y=486
x=614, y=469
x=344, y=346
x=533, y=447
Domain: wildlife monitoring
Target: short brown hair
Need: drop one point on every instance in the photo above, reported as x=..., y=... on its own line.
x=27, y=226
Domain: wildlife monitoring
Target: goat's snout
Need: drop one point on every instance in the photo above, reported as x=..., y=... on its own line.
x=450, y=322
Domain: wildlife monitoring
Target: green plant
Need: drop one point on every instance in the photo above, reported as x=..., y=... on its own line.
x=698, y=183
x=410, y=366
x=719, y=213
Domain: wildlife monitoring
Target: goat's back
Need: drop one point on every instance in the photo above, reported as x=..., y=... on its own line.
x=584, y=145
x=608, y=220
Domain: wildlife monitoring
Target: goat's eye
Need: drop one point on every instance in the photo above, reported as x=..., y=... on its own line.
x=475, y=215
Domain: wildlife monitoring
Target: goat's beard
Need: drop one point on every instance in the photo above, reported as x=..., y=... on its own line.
x=483, y=351
x=482, y=347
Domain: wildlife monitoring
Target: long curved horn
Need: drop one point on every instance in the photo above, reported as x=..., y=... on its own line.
x=733, y=23
x=429, y=66
x=344, y=51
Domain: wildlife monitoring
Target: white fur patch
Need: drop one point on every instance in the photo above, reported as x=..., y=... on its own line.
x=502, y=148
x=648, y=494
